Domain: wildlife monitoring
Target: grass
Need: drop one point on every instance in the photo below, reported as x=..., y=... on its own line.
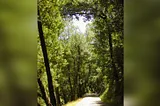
x=73, y=103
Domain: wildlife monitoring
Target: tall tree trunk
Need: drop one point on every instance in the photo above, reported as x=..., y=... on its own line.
x=64, y=97
x=78, y=72
x=70, y=83
x=46, y=61
x=44, y=96
x=75, y=80
x=115, y=73
x=58, y=96
x=87, y=77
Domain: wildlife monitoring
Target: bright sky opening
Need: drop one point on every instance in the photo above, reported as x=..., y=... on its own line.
x=81, y=24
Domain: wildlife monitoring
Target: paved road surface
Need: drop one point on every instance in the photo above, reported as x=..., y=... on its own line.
x=91, y=101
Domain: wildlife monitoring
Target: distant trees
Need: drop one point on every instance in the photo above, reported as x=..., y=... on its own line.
x=108, y=41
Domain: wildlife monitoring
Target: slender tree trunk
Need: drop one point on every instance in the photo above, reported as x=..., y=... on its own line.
x=78, y=72
x=115, y=73
x=88, y=75
x=46, y=61
x=70, y=83
x=75, y=80
x=44, y=96
x=58, y=96
x=64, y=98
x=79, y=87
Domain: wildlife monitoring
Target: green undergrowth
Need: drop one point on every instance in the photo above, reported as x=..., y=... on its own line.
x=106, y=98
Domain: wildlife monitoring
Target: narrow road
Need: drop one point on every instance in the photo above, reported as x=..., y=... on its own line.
x=91, y=101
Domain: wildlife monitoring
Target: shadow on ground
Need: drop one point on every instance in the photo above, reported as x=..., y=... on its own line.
x=99, y=103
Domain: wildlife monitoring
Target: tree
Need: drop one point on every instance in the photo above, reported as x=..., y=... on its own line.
x=49, y=76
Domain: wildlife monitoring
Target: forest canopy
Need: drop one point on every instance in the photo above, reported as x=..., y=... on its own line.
x=70, y=63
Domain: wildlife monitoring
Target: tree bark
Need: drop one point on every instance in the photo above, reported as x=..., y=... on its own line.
x=46, y=61
x=75, y=80
x=115, y=73
x=43, y=93
x=58, y=96
x=78, y=72
x=70, y=83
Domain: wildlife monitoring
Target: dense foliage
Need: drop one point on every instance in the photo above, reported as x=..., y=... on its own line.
x=71, y=63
